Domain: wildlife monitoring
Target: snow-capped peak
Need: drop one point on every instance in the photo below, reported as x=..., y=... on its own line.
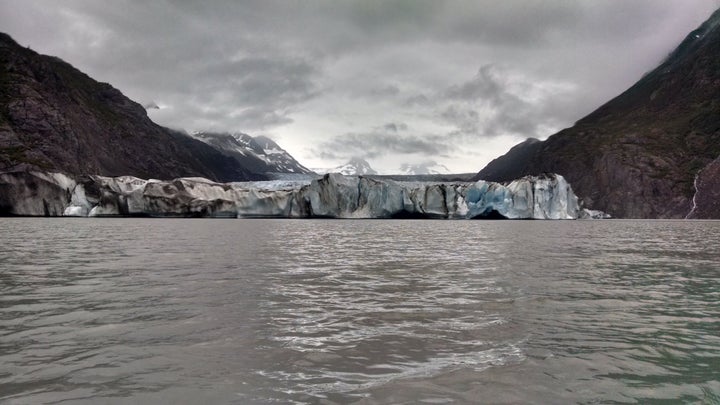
x=355, y=167
x=423, y=168
x=260, y=154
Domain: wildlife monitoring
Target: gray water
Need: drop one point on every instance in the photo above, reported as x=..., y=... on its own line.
x=410, y=312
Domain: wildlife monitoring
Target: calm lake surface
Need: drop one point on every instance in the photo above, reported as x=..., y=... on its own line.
x=331, y=311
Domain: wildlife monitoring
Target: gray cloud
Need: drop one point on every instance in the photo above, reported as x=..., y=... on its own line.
x=265, y=88
x=465, y=119
x=386, y=91
x=264, y=79
x=486, y=85
x=369, y=145
x=494, y=103
x=417, y=100
x=167, y=53
x=395, y=126
x=307, y=71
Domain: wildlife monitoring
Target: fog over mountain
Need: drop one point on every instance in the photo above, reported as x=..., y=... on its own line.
x=456, y=82
x=651, y=152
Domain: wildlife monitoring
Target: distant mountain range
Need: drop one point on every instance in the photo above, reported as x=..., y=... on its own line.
x=408, y=169
x=651, y=152
x=360, y=167
x=354, y=167
x=259, y=154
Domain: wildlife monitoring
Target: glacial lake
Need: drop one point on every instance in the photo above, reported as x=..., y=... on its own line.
x=358, y=311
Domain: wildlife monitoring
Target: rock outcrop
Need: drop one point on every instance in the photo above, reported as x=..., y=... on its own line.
x=638, y=155
x=332, y=196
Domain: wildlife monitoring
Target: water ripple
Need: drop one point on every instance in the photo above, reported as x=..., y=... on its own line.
x=267, y=311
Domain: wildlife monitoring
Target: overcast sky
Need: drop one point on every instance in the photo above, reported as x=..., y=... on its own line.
x=456, y=82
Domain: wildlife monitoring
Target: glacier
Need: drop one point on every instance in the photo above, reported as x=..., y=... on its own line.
x=333, y=195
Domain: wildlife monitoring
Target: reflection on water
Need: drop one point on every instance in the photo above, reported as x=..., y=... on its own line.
x=263, y=311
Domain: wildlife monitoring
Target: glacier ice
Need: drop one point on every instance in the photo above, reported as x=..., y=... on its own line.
x=332, y=196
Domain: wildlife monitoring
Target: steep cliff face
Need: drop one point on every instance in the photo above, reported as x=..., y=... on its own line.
x=54, y=117
x=638, y=155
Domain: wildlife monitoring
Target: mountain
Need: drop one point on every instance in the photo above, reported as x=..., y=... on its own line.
x=259, y=154
x=354, y=167
x=513, y=161
x=280, y=160
x=55, y=118
x=408, y=169
x=638, y=155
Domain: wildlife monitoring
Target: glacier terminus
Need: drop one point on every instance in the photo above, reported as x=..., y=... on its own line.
x=333, y=195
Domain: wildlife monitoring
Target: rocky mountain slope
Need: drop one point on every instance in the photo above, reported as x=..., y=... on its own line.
x=638, y=155
x=259, y=154
x=55, y=118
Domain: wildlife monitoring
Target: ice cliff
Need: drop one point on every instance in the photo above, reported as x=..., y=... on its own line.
x=332, y=196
